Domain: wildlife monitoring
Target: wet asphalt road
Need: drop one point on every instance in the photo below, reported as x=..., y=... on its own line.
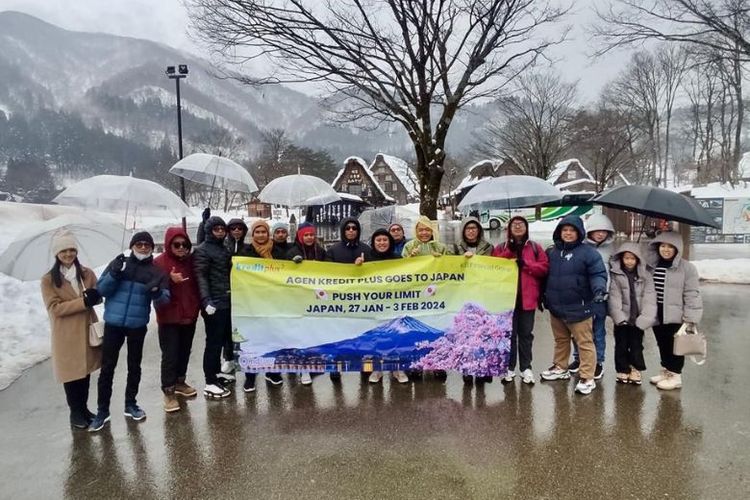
x=422, y=440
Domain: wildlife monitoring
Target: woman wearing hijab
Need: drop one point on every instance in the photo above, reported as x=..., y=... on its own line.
x=306, y=246
x=69, y=293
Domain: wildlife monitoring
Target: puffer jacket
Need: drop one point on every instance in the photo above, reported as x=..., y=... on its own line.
x=185, y=300
x=576, y=275
x=128, y=293
x=213, y=263
x=236, y=247
x=619, y=290
x=600, y=222
x=682, y=297
x=347, y=251
x=482, y=247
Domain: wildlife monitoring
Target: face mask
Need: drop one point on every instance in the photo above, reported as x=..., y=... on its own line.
x=141, y=256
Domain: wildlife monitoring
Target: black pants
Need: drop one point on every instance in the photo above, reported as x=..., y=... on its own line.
x=217, y=325
x=228, y=346
x=628, y=348
x=522, y=339
x=175, y=342
x=665, y=340
x=77, y=394
x=114, y=338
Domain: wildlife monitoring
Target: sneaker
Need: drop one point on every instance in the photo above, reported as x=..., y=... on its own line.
x=598, y=371
x=215, y=391
x=184, y=389
x=134, y=411
x=226, y=377
x=508, y=378
x=670, y=382
x=401, y=377
x=468, y=379
x=249, y=382
x=89, y=415
x=658, y=378
x=623, y=378
x=574, y=366
x=100, y=419
x=78, y=420
x=305, y=378
x=274, y=378
x=170, y=402
x=634, y=377
x=375, y=377
x=585, y=386
x=527, y=377
x=555, y=373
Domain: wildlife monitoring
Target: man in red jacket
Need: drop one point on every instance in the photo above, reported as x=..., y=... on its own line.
x=533, y=266
x=177, y=318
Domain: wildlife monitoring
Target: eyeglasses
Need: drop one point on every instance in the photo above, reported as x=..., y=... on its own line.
x=351, y=228
x=181, y=244
x=142, y=244
x=236, y=228
x=517, y=224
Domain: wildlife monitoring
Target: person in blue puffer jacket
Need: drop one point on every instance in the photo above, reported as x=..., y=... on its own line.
x=129, y=285
x=577, y=280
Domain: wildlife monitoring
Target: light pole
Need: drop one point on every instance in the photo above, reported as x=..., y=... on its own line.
x=182, y=72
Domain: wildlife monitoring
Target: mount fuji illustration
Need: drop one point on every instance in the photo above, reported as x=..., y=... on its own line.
x=394, y=340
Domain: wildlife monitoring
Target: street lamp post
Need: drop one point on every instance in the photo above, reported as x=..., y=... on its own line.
x=182, y=72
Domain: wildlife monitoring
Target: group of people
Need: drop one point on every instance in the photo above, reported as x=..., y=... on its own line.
x=580, y=279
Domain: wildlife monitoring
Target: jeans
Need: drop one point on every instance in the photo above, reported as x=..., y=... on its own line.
x=600, y=332
x=521, y=339
x=114, y=338
x=217, y=325
x=175, y=342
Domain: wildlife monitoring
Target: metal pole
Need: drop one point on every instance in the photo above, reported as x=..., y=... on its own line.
x=179, y=145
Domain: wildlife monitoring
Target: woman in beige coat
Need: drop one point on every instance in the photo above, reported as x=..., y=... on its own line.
x=69, y=295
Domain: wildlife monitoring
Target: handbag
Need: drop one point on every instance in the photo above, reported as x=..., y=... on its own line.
x=691, y=344
x=96, y=334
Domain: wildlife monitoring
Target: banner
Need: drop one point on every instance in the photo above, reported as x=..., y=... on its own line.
x=446, y=313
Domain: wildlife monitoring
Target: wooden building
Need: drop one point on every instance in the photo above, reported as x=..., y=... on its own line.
x=396, y=178
x=357, y=179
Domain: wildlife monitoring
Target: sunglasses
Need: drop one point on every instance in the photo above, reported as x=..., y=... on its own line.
x=351, y=228
x=142, y=244
x=235, y=228
x=180, y=244
x=219, y=229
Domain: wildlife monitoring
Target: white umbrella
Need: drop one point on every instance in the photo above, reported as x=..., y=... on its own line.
x=381, y=218
x=28, y=257
x=215, y=171
x=298, y=191
x=510, y=191
x=119, y=193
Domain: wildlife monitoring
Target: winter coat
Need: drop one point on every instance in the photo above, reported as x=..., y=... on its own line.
x=185, y=300
x=431, y=247
x=619, y=290
x=600, y=222
x=128, y=294
x=347, y=251
x=682, y=297
x=482, y=247
x=235, y=247
x=72, y=356
x=576, y=275
x=398, y=247
x=533, y=272
x=213, y=263
x=389, y=255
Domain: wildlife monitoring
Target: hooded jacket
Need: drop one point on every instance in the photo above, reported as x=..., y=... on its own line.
x=535, y=266
x=388, y=254
x=576, y=275
x=425, y=248
x=185, y=301
x=346, y=252
x=481, y=247
x=682, y=297
x=213, y=263
x=600, y=222
x=619, y=290
x=236, y=247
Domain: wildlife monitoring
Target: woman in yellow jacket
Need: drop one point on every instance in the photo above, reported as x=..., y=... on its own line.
x=69, y=292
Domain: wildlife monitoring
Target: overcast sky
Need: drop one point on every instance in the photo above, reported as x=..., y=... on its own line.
x=166, y=21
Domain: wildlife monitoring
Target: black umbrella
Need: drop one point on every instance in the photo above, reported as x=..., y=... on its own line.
x=657, y=202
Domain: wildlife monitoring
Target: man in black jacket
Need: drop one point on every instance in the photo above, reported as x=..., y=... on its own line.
x=349, y=250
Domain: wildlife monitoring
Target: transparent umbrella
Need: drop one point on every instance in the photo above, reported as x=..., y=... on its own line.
x=381, y=218
x=510, y=191
x=298, y=191
x=215, y=171
x=28, y=257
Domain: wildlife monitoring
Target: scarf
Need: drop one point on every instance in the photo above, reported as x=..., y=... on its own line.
x=69, y=273
x=264, y=250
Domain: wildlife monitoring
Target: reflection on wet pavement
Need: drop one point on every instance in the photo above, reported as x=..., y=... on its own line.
x=426, y=440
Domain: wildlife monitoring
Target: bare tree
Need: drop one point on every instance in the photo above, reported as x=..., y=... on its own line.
x=673, y=63
x=533, y=125
x=412, y=62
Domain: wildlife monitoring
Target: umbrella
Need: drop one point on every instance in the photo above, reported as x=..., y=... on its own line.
x=657, y=202
x=510, y=191
x=381, y=218
x=298, y=191
x=28, y=256
x=118, y=193
x=215, y=171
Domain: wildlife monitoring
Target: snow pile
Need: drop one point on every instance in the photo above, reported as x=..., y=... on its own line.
x=724, y=270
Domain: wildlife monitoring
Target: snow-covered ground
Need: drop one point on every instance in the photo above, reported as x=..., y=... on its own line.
x=24, y=331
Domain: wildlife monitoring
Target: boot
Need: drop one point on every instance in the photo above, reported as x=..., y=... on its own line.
x=183, y=389
x=170, y=400
x=670, y=382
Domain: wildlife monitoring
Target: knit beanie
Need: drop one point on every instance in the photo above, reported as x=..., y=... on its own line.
x=62, y=240
x=141, y=236
x=279, y=225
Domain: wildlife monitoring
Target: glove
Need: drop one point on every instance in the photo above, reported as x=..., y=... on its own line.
x=117, y=266
x=600, y=297
x=206, y=214
x=91, y=297
x=520, y=263
x=210, y=310
x=155, y=284
x=297, y=259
